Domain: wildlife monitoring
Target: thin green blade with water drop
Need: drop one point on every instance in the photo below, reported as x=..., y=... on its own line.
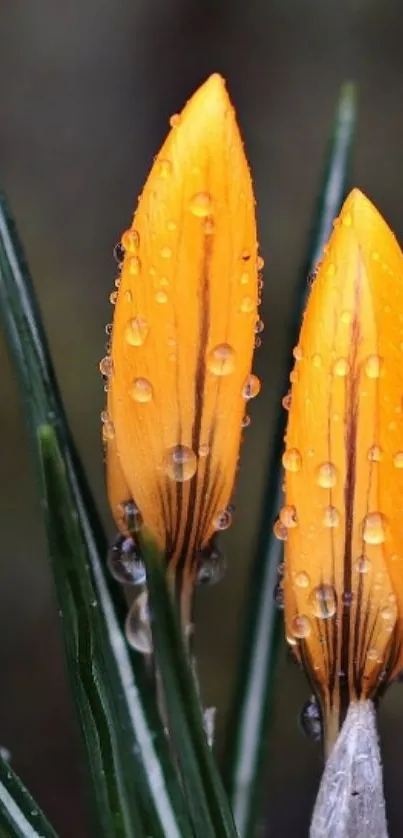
x=20, y=815
x=211, y=813
x=135, y=786
x=248, y=726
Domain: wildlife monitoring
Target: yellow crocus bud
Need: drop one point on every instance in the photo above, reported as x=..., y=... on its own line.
x=343, y=511
x=179, y=370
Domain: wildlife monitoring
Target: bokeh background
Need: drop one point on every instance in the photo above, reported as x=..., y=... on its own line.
x=86, y=90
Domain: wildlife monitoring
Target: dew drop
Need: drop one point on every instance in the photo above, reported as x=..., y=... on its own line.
x=137, y=626
x=374, y=528
x=211, y=566
x=259, y=326
x=221, y=359
x=125, y=562
x=297, y=353
x=247, y=304
x=260, y=263
x=326, y=475
x=292, y=460
x=346, y=317
x=280, y=531
x=317, y=361
x=323, y=601
x=131, y=515
x=136, y=331
x=388, y=613
x=109, y=329
x=108, y=431
x=251, y=387
x=171, y=226
x=141, y=390
x=164, y=168
x=161, y=296
x=331, y=517
x=301, y=626
x=106, y=366
x=398, y=459
x=180, y=463
x=174, y=120
x=372, y=654
x=293, y=376
x=119, y=253
x=341, y=367
x=286, y=401
x=363, y=564
x=223, y=520
x=375, y=454
x=166, y=252
x=128, y=296
x=245, y=421
x=200, y=204
x=244, y=278
x=278, y=595
x=347, y=220
x=113, y=297
x=302, y=579
x=130, y=241
x=373, y=366
x=288, y=516
x=310, y=720
x=134, y=266
x=204, y=450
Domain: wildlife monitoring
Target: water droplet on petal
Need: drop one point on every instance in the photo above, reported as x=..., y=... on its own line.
x=221, y=359
x=297, y=353
x=302, y=579
x=323, y=601
x=372, y=654
x=280, y=531
x=310, y=720
x=341, y=367
x=166, y=252
x=109, y=329
x=326, y=475
x=373, y=366
x=136, y=331
x=165, y=168
x=251, y=388
x=131, y=515
x=119, y=253
x=204, y=451
x=134, y=266
x=388, y=613
x=347, y=220
x=346, y=317
x=106, y=366
x=247, y=304
x=398, y=459
x=317, y=360
x=375, y=454
x=130, y=241
x=200, y=204
x=246, y=421
x=108, y=431
x=259, y=326
x=292, y=460
x=113, y=297
x=260, y=263
x=363, y=564
x=288, y=516
x=301, y=626
x=211, y=566
x=125, y=562
x=141, y=390
x=223, y=520
x=374, y=528
x=180, y=463
x=278, y=595
x=161, y=297
x=286, y=401
x=244, y=278
x=331, y=517
x=174, y=120
x=137, y=627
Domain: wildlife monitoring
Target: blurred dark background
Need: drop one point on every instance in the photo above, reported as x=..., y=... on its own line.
x=86, y=89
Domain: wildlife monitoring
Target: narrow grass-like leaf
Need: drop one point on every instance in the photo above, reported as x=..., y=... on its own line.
x=20, y=815
x=135, y=785
x=247, y=731
x=211, y=814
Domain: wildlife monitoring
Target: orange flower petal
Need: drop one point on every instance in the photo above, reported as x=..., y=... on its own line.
x=344, y=481
x=183, y=332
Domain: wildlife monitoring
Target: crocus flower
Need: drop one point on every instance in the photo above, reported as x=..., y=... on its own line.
x=179, y=369
x=343, y=511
